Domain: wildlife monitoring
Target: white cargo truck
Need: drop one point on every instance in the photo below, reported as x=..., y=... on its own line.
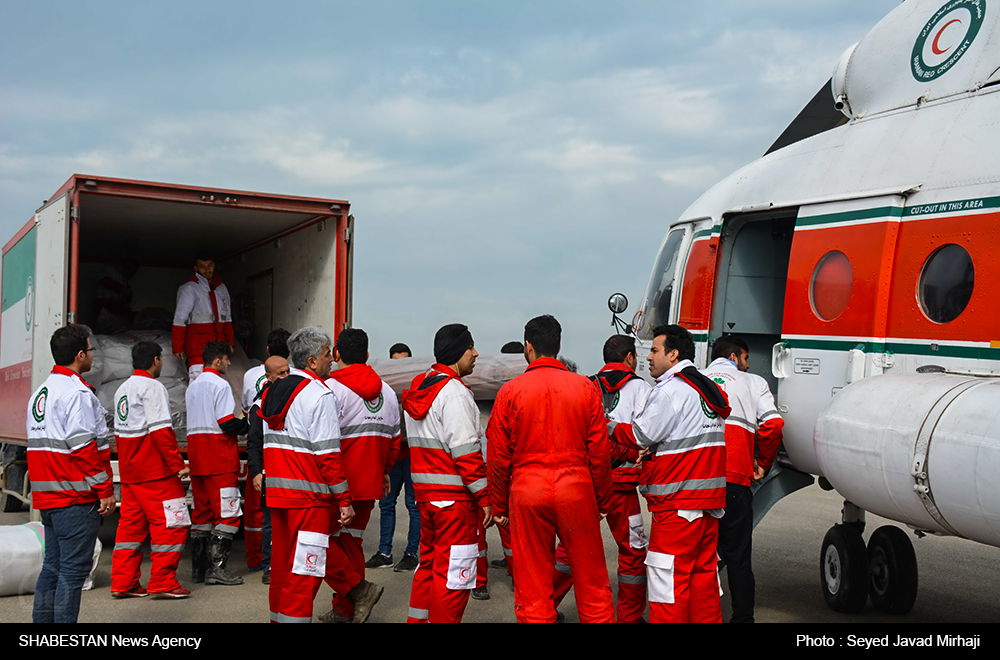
x=287, y=262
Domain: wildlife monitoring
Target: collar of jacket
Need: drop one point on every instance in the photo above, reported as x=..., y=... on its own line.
x=546, y=362
x=276, y=399
x=65, y=371
x=141, y=372
x=213, y=285
x=424, y=389
x=360, y=379
x=613, y=376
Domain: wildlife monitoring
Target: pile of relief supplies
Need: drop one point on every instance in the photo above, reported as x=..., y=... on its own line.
x=113, y=366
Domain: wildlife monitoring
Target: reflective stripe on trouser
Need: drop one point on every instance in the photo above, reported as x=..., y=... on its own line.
x=291, y=595
x=682, y=569
x=631, y=560
x=543, y=504
x=345, y=558
x=508, y=552
x=481, y=561
x=207, y=500
x=440, y=531
x=253, y=524
x=141, y=515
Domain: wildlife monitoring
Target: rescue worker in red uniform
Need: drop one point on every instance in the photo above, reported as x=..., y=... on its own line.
x=305, y=478
x=203, y=313
x=683, y=478
x=449, y=477
x=150, y=467
x=215, y=465
x=754, y=418
x=369, y=445
x=71, y=482
x=550, y=474
x=623, y=394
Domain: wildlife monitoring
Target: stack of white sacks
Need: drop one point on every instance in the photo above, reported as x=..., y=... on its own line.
x=113, y=365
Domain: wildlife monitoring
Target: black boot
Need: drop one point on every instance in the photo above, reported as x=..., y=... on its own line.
x=218, y=555
x=199, y=558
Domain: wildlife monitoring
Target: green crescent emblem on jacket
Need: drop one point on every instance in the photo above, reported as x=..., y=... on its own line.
x=374, y=405
x=38, y=405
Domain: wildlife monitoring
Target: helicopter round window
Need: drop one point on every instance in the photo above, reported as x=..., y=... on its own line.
x=945, y=285
x=830, y=289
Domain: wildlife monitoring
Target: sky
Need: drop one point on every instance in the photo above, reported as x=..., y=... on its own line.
x=502, y=159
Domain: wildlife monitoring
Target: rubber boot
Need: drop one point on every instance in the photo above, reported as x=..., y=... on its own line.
x=218, y=555
x=199, y=558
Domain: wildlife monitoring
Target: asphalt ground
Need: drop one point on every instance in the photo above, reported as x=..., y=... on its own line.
x=958, y=579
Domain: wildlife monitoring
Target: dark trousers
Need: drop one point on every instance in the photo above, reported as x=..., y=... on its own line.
x=70, y=534
x=736, y=547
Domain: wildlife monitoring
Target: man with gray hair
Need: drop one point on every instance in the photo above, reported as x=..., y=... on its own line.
x=305, y=478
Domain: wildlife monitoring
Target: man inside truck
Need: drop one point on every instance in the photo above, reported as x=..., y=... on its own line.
x=204, y=313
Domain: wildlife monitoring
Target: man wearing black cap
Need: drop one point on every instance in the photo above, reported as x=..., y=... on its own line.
x=449, y=477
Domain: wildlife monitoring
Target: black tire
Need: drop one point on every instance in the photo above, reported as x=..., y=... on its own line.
x=893, y=570
x=843, y=569
x=16, y=474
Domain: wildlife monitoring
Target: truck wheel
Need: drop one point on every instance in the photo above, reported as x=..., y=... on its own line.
x=893, y=567
x=843, y=569
x=15, y=479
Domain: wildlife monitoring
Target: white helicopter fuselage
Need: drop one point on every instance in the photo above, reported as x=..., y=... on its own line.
x=861, y=265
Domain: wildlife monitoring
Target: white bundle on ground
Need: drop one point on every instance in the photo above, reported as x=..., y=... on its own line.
x=489, y=375
x=22, y=548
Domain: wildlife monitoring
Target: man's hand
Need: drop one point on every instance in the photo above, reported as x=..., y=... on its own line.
x=180, y=356
x=386, y=485
x=487, y=517
x=346, y=514
x=107, y=506
x=258, y=482
x=642, y=455
x=603, y=514
x=758, y=471
x=184, y=472
x=501, y=520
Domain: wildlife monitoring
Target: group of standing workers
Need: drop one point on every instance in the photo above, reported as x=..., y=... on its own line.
x=563, y=453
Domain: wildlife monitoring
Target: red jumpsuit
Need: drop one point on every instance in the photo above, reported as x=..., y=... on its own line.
x=550, y=473
x=152, y=494
x=624, y=395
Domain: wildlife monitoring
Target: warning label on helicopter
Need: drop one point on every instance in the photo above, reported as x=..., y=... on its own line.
x=808, y=366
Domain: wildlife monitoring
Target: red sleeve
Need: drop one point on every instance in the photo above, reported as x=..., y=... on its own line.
x=177, y=333
x=769, y=436
x=620, y=452
x=94, y=463
x=499, y=453
x=394, y=445
x=598, y=449
x=165, y=442
x=622, y=434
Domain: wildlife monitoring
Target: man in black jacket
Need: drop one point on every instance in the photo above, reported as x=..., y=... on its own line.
x=275, y=368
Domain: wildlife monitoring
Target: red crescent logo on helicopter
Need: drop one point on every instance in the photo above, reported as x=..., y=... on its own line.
x=934, y=44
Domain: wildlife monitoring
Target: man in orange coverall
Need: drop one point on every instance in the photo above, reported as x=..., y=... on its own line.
x=549, y=474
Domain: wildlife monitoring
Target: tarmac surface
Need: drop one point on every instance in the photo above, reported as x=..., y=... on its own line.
x=958, y=579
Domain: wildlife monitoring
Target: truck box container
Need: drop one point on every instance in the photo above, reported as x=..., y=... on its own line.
x=286, y=261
